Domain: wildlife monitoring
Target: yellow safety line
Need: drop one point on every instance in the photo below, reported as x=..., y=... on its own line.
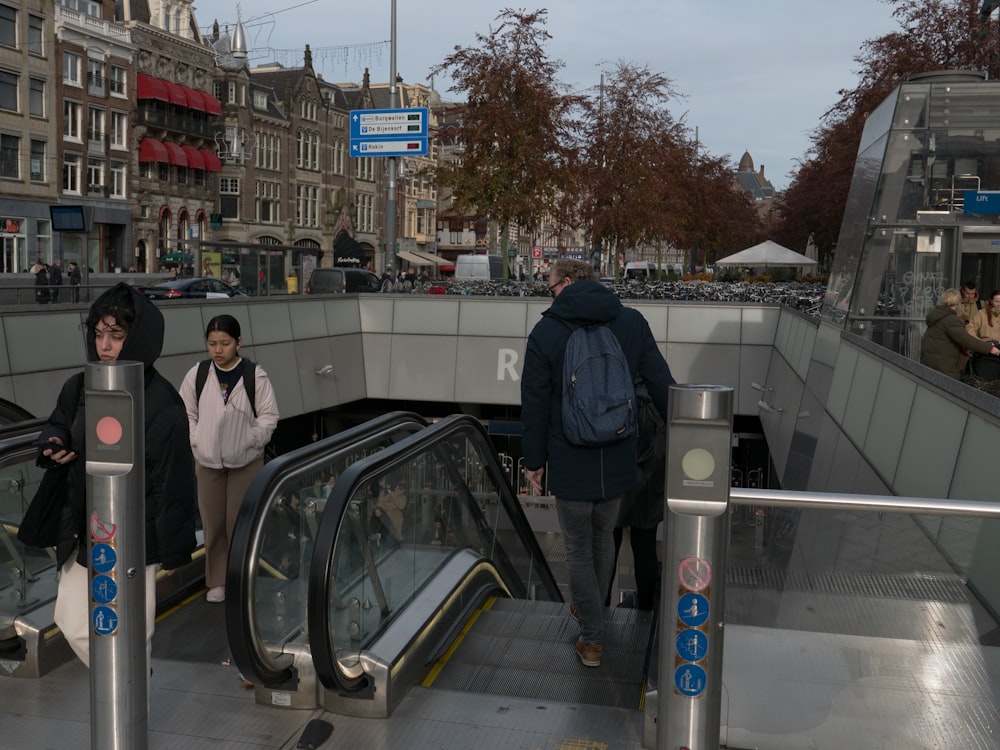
x=440, y=664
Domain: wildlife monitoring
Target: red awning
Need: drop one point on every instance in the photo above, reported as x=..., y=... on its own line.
x=177, y=95
x=175, y=154
x=151, y=149
x=212, y=105
x=212, y=161
x=194, y=158
x=148, y=87
x=194, y=99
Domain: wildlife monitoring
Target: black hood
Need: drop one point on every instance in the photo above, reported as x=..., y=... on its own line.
x=145, y=336
x=585, y=303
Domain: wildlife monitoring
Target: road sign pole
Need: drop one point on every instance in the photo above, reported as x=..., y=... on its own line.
x=689, y=698
x=390, y=200
x=116, y=530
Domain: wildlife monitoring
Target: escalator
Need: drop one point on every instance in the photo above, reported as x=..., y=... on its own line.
x=423, y=571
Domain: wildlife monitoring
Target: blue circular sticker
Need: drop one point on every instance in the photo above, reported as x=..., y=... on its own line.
x=692, y=645
x=105, y=620
x=103, y=557
x=690, y=680
x=692, y=609
x=104, y=589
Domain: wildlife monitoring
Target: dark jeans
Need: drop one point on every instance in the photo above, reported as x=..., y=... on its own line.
x=646, y=564
x=587, y=528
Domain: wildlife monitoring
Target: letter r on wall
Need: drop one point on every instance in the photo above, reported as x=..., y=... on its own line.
x=506, y=360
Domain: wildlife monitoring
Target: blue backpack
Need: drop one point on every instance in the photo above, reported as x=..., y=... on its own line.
x=598, y=396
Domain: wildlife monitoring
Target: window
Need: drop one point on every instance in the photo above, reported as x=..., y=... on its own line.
x=10, y=155
x=182, y=175
x=307, y=109
x=338, y=156
x=365, y=167
x=95, y=175
x=8, y=90
x=95, y=124
x=229, y=197
x=117, y=179
x=162, y=172
x=268, y=196
x=217, y=89
x=36, y=165
x=71, y=173
x=119, y=129
x=95, y=76
x=231, y=92
x=72, y=112
x=8, y=26
x=259, y=100
x=71, y=68
x=365, y=212
x=36, y=97
x=35, y=26
x=118, y=80
x=307, y=205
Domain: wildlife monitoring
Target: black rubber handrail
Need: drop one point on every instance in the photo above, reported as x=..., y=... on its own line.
x=249, y=654
x=336, y=520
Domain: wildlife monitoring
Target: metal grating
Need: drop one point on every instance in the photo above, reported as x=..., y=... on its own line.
x=915, y=586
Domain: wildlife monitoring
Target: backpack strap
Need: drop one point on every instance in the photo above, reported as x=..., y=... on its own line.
x=249, y=381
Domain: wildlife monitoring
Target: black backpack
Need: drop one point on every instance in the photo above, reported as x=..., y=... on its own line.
x=249, y=372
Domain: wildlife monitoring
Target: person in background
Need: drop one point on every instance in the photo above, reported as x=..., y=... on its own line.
x=74, y=282
x=227, y=441
x=122, y=324
x=970, y=304
x=588, y=481
x=41, y=271
x=946, y=337
x=55, y=280
x=985, y=325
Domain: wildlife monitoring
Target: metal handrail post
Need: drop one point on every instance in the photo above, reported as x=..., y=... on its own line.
x=696, y=523
x=116, y=533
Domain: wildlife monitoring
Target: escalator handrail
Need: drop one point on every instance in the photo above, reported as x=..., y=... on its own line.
x=247, y=652
x=333, y=520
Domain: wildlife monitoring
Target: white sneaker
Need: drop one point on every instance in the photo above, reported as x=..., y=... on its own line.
x=216, y=594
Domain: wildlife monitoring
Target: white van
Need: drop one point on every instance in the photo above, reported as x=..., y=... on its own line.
x=638, y=270
x=478, y=267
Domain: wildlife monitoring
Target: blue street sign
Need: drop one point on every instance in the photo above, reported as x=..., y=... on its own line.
x=692, y=609
x=104, y=589
x=103, y=557
x=692, y=644
x=105, y=620
x=389, y=132
x=389, y=123
x=690, y=680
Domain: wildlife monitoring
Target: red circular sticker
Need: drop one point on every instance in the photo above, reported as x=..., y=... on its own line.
x=109, y=430
x=694, y=573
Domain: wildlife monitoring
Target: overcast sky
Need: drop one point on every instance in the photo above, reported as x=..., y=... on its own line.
x=755, y=76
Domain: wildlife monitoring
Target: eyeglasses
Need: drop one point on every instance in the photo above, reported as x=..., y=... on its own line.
x=552, y=289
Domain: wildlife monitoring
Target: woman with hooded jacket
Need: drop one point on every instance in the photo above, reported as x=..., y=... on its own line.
x=122, y=324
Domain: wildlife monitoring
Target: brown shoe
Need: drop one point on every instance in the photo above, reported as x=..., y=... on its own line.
x=589, y=653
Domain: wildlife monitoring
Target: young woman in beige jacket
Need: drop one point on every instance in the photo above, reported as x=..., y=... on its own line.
x=227, y=440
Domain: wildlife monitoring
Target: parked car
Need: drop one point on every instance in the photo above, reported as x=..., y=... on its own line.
x=341, y=281
x=206, y=287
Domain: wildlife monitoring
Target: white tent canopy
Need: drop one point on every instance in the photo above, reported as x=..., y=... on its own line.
x=767, y=253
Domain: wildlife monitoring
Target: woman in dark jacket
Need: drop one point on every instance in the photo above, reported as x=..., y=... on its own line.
x=122, y=324
x=946, y=337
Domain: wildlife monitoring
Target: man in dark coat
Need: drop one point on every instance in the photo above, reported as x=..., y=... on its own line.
x=946, y=336
x=588, y=482
x=124, y=325
x=55, y=280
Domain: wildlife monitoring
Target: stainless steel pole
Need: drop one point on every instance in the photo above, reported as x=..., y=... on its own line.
x=696, y=523
x=116, y=524
x=390, y=198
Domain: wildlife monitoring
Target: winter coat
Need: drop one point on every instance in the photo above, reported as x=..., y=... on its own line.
x=170, y=496
x=225, y=434
x=583, y=472
x=55, y=276
x=944, y=339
